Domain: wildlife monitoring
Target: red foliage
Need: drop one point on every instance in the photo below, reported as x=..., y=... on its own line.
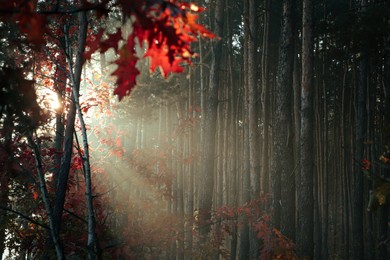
x=168, y=29
x=165, y=28
x=274, y=244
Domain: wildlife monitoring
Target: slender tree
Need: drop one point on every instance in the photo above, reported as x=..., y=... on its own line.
x=282, y=170
x=246, y=192
x=305, y=192
x=360, y=137
x=206, y=178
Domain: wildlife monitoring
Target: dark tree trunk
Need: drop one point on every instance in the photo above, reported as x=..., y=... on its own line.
x=265, y=102
x=206, y=178
x=60, y=86
x=360, y=137
x=282, y=170
x=253, y=131
x=384, y=228
x=305, y=190
x=244, y=252
x=5, y=178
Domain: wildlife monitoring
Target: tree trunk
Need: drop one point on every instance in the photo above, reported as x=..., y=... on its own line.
x=305, y=191
x=60, y=86
x=92, y=245
x=8, y=126
x=385, y=209
x=265, y=98
x=361, y=132
x=244, y=252
x=45, y=197
x=180, y=170
x=253, y=131
x=254, y=154
x=4, y=191
x=282, y=170
x=206, y=178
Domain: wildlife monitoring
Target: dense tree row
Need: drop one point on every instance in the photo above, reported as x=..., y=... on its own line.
x=273, y=143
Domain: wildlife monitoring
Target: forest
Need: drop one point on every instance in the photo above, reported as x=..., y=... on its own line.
x=202, y=129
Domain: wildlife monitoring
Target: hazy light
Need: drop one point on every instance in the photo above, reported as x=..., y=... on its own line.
x=49, y=99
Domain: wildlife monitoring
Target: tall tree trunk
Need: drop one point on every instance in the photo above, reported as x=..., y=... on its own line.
x=305, y=191
x=324, y=158
x=265, y=88
x=206, y=178
x=190, y=179
x=232, y=198
x=253, y=131
x=244, y=252
x=282, y=154
x=254, y=154
x=5, y=178
x=92, y=245
x=45, y=197
x=60, y=86
x=348, y=166
x=180, y=180
x=384, y=228
x=4, y=191
x=297, y=115
x=361, y=132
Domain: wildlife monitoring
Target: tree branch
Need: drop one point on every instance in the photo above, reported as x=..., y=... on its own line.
x=25, y=217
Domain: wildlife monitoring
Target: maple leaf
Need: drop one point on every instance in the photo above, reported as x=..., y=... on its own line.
x=111, y=41
x=159, y=57
x=126, y=72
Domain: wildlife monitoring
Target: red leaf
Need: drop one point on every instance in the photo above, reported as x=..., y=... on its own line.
x=94, y=43
x=126, y=71
x=111, y=42
x=35, y=195
x=159, y=57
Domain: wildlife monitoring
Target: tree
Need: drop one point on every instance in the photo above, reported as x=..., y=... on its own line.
x=305, y=193
x=361, y=135
x=282, y=151
x=206, y=178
